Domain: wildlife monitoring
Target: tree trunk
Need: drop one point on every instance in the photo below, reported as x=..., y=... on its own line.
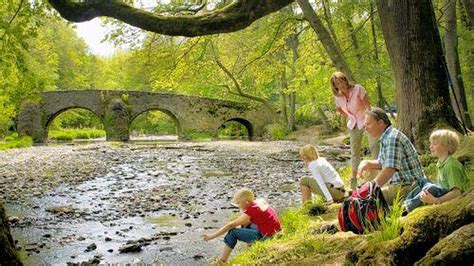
x=327, y=17
x=380, y=101
x=452, y=60
x=354, y=41
x=283, y=87
x=416, y=56
x=8, y=253
x=293, y=43
x=331, y=47
x=291, y=117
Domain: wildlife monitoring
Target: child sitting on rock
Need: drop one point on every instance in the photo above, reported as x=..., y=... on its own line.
x=325, y=181
x=452, y=179
x=258, y=220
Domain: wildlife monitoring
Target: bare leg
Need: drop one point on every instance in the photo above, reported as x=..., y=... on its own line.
x=225, y=254
x=305, y=194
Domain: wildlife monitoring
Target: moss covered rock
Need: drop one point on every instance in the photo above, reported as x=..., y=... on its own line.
x=8, y=253
x=422, y=230
x=455, y=249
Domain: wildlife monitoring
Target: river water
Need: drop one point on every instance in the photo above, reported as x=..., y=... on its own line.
x=72, y=203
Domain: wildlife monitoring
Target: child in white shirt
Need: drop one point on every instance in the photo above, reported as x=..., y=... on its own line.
x=324, y=179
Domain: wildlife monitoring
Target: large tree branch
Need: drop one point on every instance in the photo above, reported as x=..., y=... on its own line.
x=237, y=86
x=236, y=16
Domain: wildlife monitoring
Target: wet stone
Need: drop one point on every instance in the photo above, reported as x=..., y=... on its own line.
x=127, y=248
x=166, y=249
x=91, y=247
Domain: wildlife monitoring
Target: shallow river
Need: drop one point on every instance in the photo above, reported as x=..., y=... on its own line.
x=84, y=202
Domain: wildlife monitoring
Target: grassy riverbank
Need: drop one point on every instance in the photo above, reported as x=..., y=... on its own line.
x=306, y=239
x=13, y=141
x=71, y=134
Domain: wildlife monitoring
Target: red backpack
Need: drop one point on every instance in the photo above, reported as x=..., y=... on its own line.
x=362, y=211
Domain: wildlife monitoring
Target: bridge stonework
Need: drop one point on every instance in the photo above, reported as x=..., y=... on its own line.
x=117, y=110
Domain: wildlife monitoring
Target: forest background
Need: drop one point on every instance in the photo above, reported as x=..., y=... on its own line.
x=278, y=60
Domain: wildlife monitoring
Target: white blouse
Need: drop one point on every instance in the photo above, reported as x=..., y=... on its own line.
x=324, y=173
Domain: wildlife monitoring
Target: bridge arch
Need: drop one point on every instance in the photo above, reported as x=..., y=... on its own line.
x=51, y=117
x=170, y=114
x=246, y=123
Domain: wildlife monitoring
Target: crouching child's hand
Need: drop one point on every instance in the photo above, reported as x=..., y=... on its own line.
x=207, y=237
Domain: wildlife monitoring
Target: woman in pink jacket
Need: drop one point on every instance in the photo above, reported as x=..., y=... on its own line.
x=353, y=102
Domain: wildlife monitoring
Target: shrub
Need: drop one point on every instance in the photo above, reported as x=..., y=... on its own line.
x=277, y=131
x=12, y=143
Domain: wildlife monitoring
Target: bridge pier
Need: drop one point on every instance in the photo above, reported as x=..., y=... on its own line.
x=117, y=121
x=30, y=122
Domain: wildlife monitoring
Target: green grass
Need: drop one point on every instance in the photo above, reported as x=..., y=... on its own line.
x=12, y=142
x=390, y=225
x=345, y=173
x=295, y=239
x=294, y=242
x=315, y=207
x=200, y=136
x=70, y=134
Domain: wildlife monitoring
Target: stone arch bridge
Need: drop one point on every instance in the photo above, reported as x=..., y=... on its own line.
x=117, y=110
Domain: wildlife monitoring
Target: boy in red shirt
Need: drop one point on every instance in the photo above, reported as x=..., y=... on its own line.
x=258, y=220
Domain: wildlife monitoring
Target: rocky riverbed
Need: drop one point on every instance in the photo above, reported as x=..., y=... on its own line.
x=140, y=202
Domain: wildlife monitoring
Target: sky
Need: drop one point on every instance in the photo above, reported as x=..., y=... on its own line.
x=93, y=32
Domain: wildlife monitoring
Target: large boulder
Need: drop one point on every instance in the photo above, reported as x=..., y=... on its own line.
x=8, y=253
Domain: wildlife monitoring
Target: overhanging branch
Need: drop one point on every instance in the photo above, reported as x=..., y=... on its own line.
x=236, y=16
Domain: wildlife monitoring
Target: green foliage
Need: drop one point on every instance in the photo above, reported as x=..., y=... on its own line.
x=13, y=141
x=232, y=129
x=153, y=122
x=38, y=52
x=71, y=134
x=76, y=118
x=277, y=131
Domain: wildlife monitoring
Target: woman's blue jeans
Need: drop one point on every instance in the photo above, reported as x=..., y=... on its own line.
x=248, y=234
x=413, y=199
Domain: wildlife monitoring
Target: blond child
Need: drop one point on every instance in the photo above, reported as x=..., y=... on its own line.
x=452, y=179
x=324, y=179
x=258, y=220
